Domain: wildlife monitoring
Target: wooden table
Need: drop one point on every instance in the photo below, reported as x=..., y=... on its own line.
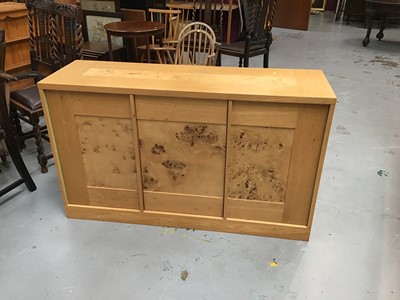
x=384, y=7
x=215, y=148
x=134, y=29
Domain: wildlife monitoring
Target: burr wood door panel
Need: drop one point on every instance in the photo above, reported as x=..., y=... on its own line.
x=273, y=158
x=182, y=150
x=95, y=137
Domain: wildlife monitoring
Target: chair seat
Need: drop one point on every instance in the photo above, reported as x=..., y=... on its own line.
x=237, y=48
x=28, y=97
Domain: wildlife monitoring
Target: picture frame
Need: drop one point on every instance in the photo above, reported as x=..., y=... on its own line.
x=101, y=5
x=93, y=26
x=318, y=5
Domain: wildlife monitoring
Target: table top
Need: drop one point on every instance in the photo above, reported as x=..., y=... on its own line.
x=246, y=84
x=139, y=27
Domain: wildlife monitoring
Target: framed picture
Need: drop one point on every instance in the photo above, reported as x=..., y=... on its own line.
x=318, y=5
x=100, y=5
x=93, y=26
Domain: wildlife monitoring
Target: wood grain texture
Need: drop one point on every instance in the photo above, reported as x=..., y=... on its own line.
x=54, y=146
x=111, y=197
x=254, y=210
x=264, y=114
x=304, y=162
x=189, y=221
x=181, y=110
x=68, y=147
x=107, y=151
x=259, y=164
x=222, y=83
x=183, y=203
x=184, y=158
x=320, y=163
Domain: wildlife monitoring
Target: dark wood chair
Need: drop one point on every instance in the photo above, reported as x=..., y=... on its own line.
x=55, y=37
x=211, y=13
x=256, y=38
x=6, y=131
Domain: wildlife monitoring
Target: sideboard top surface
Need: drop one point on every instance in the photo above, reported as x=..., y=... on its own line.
x=225, y=83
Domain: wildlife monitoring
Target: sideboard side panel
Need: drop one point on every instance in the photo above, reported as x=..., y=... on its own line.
x=307, y=144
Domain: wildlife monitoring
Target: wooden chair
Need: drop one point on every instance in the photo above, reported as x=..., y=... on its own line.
x=6, y=132
x=197, y=25
x=55, y=37
x=208, y=29
x=186, y=13
x=196, y=47
x=170, y=18
x=256, y=38
x=211, y=13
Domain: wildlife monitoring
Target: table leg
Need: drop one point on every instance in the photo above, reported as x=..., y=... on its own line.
x=135, y=50
x=369, y=17
x=110, y=50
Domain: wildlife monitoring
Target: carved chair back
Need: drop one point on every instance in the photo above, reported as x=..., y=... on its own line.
x=55, y=33
x=67, y=37
x=257, y=17
x=211, y=13
x=39, y=20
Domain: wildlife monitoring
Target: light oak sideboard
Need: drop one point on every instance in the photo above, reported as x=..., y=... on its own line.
x=215, y=148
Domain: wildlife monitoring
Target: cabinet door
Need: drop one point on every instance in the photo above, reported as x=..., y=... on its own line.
x=182, y=150
x=95, y=136
x=273, y=158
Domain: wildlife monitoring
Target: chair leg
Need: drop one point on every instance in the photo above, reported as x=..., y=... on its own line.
x=240, y=61
x=41, y=157
x=19, y=163
x=246, y=62
x=380, y=34
x=266, y=54
x=17, y=125
x=16, y=157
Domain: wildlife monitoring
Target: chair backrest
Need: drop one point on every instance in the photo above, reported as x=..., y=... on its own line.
x=67, y=37
x=258, y=16
x=186, y=12
x=211, y=13
x=197, y=25
x=39, y=19
x=170, y=18
x=55, y=33
x=196, y=47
